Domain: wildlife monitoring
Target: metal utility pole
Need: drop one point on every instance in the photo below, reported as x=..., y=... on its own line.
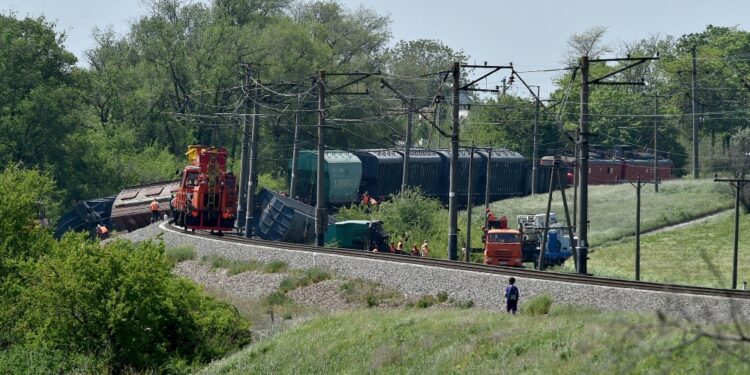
x=487, y=180
x=321, y=214
x=295, y=149
x=555, y=176
x=583, y=165
x=656, y=155
x=534, y=151
x=469, y=203
x=452, y=203
x=638, y=228
x=582, y=249
x=252, y=178
x=738, y=183
x=693, y=73
x=244, y=158
x=407, y=146
x=543, y=247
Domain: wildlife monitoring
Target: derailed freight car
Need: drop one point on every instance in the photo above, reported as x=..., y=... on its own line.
x=130, y=210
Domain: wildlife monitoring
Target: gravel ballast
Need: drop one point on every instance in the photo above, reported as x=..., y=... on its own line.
x=485, y=290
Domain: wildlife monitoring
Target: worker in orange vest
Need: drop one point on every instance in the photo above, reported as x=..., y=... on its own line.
x=102, y=232
x=154, y=207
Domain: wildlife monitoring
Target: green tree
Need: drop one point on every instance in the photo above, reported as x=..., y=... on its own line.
x=121, y=304
x=22, y=240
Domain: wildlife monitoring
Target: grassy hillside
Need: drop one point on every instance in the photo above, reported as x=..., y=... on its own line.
x=434, y=341
x=696, y=255
x=612, y=207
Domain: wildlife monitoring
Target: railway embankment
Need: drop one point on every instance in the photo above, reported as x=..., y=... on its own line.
x=483, y=289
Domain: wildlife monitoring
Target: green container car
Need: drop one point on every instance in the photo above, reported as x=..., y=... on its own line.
x=357, y=234
x=343, y=188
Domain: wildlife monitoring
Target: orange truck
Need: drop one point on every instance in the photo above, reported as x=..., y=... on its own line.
x=502, y=245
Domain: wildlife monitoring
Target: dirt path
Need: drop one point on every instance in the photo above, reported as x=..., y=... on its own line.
x=699, y=220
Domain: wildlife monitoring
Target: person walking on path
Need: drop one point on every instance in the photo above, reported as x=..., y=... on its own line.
x=512, y=296
x=154, y=207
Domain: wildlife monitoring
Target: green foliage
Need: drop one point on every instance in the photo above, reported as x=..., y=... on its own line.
x=369, y=294
x=120, y=303
x=570, y=341
x=271, y=182
x=408, y=215
x=178, y=254
x=233, y=266
x=426, y=301
x=30, y=360
x=442, y=297
x=275, y=266
x=538, y=305
x=277, y=298
x=25, y=192
x=307, y=277
x=703, y=254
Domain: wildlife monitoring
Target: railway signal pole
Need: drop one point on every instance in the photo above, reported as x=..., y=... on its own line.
x=738, y=183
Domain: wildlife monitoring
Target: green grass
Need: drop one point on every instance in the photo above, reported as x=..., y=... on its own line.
x=369, y=294
x=276, y=266
x=612, y=207
x=179, y=254
x=233, y=267
x=303, y=278
x=699, y=254
x=418, y=341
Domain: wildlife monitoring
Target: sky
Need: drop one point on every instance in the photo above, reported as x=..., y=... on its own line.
x=531, y=34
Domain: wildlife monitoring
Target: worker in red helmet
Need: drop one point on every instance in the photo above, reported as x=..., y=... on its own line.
x=154, y=208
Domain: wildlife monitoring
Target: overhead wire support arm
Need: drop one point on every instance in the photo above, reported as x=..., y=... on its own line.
x=494, y=68
x=419, y=110
x=363, y=77
x=541, y=104
x=638, y=61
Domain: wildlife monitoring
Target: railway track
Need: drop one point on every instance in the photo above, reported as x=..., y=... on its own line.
x=485, y=269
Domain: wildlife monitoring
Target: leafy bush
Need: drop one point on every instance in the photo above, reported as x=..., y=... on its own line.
x=178, y=254
x=121, y=304
x=408, y=215
x=277, y=298
x=442, y=296
x=426, y=301
x=538, y=305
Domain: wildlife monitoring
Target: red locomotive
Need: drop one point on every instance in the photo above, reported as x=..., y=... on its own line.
x=207, y=196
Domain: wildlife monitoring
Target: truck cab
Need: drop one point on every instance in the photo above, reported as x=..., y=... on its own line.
x=502, y=245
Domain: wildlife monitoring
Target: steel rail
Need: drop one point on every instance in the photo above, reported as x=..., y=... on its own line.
x=482, y=268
